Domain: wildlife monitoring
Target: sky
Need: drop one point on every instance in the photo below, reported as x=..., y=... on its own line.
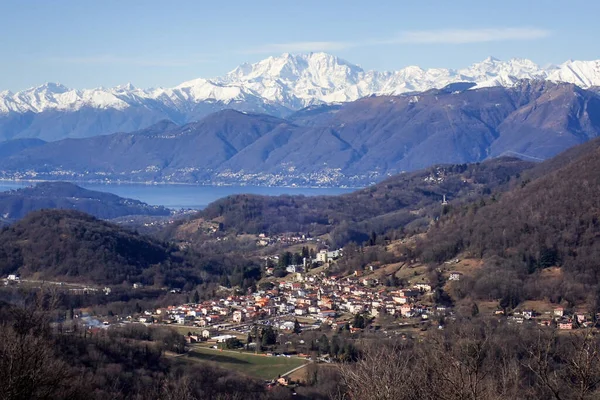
x=86, y=44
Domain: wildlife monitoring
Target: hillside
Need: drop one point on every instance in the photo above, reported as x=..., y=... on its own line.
x=15, y=204
x=11, y=147
x=407, y=200
x=353, y=144
x=72, y=246
x=550, y=221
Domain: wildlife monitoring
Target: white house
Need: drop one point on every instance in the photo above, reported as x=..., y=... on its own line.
x=237, y=316
x=455, y=276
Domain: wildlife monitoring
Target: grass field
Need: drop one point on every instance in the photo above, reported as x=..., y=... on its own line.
x=257, y=366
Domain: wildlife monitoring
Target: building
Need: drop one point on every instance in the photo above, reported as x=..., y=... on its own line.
x=207, y=334
x=455, y=276
x=322, y=256
x=566, y=325
x=237, y=316
x=559, y=312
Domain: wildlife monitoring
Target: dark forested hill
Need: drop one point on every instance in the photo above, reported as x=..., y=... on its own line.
x=16, y=204
x=72, y=246
x=411, y=198
x=354, y=144
x=552, y=220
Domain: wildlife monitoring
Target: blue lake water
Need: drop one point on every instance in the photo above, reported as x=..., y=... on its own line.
x=187, y=196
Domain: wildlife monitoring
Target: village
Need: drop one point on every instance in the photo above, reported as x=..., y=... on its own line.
x=313, y=298
x=316, y=298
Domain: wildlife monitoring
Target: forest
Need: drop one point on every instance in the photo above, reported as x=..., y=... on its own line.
x=407, y=200
x=541, y=223
x=76, y=247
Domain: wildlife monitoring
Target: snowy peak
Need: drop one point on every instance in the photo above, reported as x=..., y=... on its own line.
x=293, y=81
x=289, y=67
x=581, y=73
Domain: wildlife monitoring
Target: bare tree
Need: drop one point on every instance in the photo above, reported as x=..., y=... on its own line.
x=384, y=372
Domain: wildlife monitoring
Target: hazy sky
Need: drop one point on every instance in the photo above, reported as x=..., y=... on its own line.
x=84, y=43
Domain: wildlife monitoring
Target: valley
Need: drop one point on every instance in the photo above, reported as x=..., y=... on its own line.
x=263, y=285
x=299, y=200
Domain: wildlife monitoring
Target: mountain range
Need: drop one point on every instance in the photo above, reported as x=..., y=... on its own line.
x=277, y=86
x=353, y=143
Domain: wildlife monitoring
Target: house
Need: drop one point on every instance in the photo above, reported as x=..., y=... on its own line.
x=423, y=287
x=559, y=312
x=324, y=313
x=192, y=339
x=220, y=339
x=565, y=325
x=455, y=276
x=137, y=285
x=406, y=310
x=356, y=308
x=13, y=278
x=528, y=314
x=207, y=334
x=237, y=316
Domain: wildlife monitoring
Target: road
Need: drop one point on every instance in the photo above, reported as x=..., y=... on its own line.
x=295, y=369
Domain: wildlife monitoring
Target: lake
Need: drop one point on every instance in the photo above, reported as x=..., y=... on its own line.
x=186, y=196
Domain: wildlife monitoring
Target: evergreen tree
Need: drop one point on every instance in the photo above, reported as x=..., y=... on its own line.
x=297, y=327
x=269, y=336
x=475, y=310
x=359, y=321
x=324, y=344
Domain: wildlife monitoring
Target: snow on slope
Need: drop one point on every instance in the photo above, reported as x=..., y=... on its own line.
x=296, y=81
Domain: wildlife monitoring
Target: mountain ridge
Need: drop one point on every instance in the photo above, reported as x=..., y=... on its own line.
x=276, y=86
x=350, y=144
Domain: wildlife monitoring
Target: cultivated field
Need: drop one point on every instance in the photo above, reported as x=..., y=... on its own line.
x=255, y=365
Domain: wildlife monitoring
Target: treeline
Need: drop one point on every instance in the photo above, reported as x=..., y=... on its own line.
x=380, y=208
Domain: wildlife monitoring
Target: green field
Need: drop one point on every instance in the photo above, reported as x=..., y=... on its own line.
x=258, y=366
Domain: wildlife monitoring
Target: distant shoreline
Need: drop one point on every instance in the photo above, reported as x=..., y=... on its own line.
x=96, y=182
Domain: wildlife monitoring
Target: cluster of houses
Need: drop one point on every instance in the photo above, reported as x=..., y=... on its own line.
x=264, y=240
x=322, y=257
x=558, y=317
x=318, y=297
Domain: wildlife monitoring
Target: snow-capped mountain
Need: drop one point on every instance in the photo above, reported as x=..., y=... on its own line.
x=276, y=85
